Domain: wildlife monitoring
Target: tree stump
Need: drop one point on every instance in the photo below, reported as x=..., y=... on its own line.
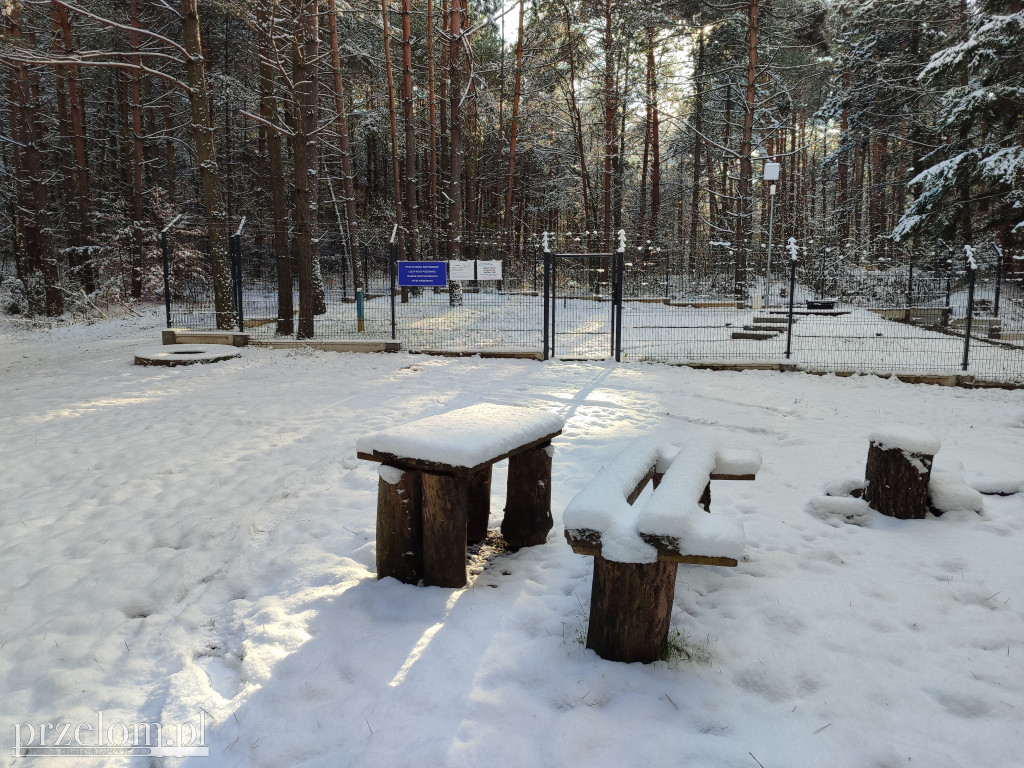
x=528, y=502
x=444, y=501
x=897, y=479
x=479, y=505
x=630, y=609
x=399, y=526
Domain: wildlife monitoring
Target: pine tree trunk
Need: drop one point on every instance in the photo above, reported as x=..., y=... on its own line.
x=395, y=171
x=303, y=210
x=33, y=195
x=745, y=202
x=506, y=223
x=655, y=145
x=137, y=160
x=589, y=221
x=698, y=124
x=169, y=158
x=202, y=134
x=455, y=158
x=80, y=262
x=432, y=107
x=285, y=325
x=411, y=210
x=347, y=175
x=610, y=115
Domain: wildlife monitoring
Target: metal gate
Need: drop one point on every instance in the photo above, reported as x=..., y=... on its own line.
x=583, y=305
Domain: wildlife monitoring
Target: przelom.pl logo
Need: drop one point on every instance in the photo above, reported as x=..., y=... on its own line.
x=111, y=738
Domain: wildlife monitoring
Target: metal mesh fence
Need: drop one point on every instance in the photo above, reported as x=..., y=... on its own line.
x=905, y=315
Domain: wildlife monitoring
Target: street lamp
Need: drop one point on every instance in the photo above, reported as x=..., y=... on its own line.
x=771, y=173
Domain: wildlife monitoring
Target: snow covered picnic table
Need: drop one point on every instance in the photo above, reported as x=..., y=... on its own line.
x=637, y=549
x=435, y=487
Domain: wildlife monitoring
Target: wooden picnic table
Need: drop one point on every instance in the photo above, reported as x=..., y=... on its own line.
x=434, y=493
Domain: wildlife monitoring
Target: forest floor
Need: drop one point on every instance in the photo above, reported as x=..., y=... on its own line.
x=196, y=545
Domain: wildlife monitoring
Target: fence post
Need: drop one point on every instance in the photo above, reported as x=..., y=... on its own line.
x=364, y=251
x=972, y=269
x=392, y=258
x=668, y=270
x=554, y=301
x=235, y=251
x=618, y=267
x=792, y=289
x=821, y=288
x=999, y=277
x=235, y=248
x=547, y=295
x=910, y=284
x=167, y=281
x=167, y=266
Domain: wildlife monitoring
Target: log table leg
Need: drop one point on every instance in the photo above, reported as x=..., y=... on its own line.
x=897, y=482
x=528, y=502
x=399, y=526
x=630, y=609
x=444, y=500
x=479, y=501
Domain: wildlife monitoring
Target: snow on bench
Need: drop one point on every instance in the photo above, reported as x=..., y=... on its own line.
x=637, y=550
x=673, y=525
x=461, y=440
x=435, y=487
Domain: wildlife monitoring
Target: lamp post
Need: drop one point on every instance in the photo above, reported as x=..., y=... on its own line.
x=771, y=173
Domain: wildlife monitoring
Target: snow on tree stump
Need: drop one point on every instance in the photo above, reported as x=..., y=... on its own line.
x=185, y=354
x=899, y=467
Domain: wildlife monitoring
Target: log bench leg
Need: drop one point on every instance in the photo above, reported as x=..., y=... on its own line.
x=630, y=609
x=528, y=503
x=479, y=502
x=399, y=526
x=444, y=501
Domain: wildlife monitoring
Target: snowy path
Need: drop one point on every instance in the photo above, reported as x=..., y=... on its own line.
x=202, y=537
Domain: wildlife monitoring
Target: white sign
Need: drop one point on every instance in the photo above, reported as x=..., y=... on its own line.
x=460, y=270
x=771, y=171
x=488, y=270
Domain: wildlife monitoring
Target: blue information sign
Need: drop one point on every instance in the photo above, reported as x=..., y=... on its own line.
x=430, y=274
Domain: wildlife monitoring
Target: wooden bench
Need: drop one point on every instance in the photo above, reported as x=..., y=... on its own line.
x=637, y=549
x=435, y=487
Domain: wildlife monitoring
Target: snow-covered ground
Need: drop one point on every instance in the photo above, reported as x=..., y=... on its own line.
x=198, y=542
